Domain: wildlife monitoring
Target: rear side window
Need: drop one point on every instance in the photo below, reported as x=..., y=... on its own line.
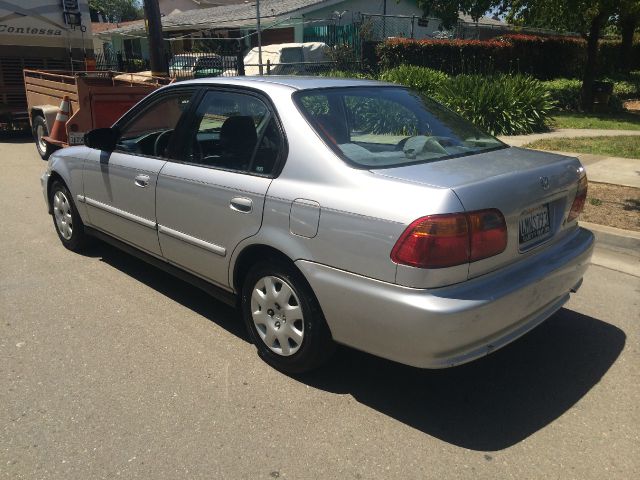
x=378, y=127
x=234, y=131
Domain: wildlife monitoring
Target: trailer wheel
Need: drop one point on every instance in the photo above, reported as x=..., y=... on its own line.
x=40, y=130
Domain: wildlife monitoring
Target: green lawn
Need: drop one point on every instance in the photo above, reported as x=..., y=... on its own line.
x=607, y=121
x=623, y=146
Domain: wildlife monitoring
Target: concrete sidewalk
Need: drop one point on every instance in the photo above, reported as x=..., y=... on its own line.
x=520, y=140
x=600, y=168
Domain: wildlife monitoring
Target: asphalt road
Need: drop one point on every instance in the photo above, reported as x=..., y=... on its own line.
x=110, y=368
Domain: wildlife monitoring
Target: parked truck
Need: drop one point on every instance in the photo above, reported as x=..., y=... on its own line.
x=96, y=99
x=38, y=34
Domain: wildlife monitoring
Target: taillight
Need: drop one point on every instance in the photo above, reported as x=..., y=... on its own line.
x=439, y=241
x=579, y=201
x=488, y=234
x=435, y=241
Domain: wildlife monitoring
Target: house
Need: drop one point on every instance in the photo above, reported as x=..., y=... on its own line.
x=168, y=7
x=282, y=21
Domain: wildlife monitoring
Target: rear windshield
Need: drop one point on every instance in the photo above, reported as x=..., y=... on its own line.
x=379, y=127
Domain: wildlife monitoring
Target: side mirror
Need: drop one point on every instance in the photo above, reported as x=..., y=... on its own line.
x=102, y=139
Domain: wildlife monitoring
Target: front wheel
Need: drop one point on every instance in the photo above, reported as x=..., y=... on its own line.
x=284, y=319
x=66, y=219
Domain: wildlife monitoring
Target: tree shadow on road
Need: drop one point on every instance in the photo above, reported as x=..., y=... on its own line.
x=492, y=403
x=486, y=405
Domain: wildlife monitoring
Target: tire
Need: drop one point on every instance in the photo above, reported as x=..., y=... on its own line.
x=66, y=219
x=39, y=130
x=305, y=336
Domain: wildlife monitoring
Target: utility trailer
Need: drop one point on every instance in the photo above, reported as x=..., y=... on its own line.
x=96, y=99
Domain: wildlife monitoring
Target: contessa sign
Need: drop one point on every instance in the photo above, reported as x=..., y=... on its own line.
x=8, y=28
x=42, y=23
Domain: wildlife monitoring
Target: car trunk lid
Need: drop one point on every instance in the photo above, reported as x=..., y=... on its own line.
x=533, y=190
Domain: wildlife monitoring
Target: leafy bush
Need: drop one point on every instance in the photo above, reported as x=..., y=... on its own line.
x=565, y=92
x=500, y=104
x=625, y=86
x=421, y=79
x=347, y=74
x=626, y=89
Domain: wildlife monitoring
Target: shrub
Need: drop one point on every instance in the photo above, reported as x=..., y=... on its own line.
x=450, y=56
x=547, y=57
x=499, y=104
x=610, y=56
x=347, y=74
x=565, y=92
x=543, y=57
x=626, y=89
x=421, y=79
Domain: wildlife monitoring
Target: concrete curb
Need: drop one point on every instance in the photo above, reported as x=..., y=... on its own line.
x=615, y=237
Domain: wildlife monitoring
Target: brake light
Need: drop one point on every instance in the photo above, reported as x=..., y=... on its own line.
x=488, y=234
x=579, y=201
x=439, y=241
x=434, y=241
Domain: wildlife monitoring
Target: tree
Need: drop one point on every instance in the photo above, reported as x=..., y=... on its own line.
x=628, y=21
x=117, y=10
x=587, y=17
x=448, y=11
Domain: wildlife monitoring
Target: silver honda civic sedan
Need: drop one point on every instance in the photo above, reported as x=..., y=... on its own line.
x=333, y=211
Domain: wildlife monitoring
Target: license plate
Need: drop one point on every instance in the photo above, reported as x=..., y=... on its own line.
x=535, y=224
x=76, y=138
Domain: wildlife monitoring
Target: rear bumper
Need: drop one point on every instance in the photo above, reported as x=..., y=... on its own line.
x=447, y=326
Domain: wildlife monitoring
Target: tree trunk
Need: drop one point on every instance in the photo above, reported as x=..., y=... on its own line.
x=591, y=66
x=627, y=27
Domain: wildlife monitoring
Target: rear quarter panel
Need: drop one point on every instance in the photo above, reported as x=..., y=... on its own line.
x=361, y=214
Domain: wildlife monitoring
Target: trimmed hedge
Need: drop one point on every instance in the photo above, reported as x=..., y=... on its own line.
x=542, y=57
x=450, y=56
x=547, y=57
x=609, y=56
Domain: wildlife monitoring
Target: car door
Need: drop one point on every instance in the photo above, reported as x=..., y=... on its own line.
x=211, y=196
x=120, y=186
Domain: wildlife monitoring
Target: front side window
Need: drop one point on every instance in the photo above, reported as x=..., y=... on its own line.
x=234, y=131
x=378, y=127
x=149, y=132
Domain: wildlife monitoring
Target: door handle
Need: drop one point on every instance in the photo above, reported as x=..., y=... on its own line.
x=241, y=204
x=142, y=181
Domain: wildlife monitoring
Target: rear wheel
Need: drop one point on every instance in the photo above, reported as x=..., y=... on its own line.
x=40, y=130
x=66, y=219
x=284, y=319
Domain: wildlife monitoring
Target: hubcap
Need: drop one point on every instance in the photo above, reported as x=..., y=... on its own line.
x=277, y=315
x=39, y=134
x=62, y=214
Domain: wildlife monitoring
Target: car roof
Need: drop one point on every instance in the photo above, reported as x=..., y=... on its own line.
x=293, y=82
